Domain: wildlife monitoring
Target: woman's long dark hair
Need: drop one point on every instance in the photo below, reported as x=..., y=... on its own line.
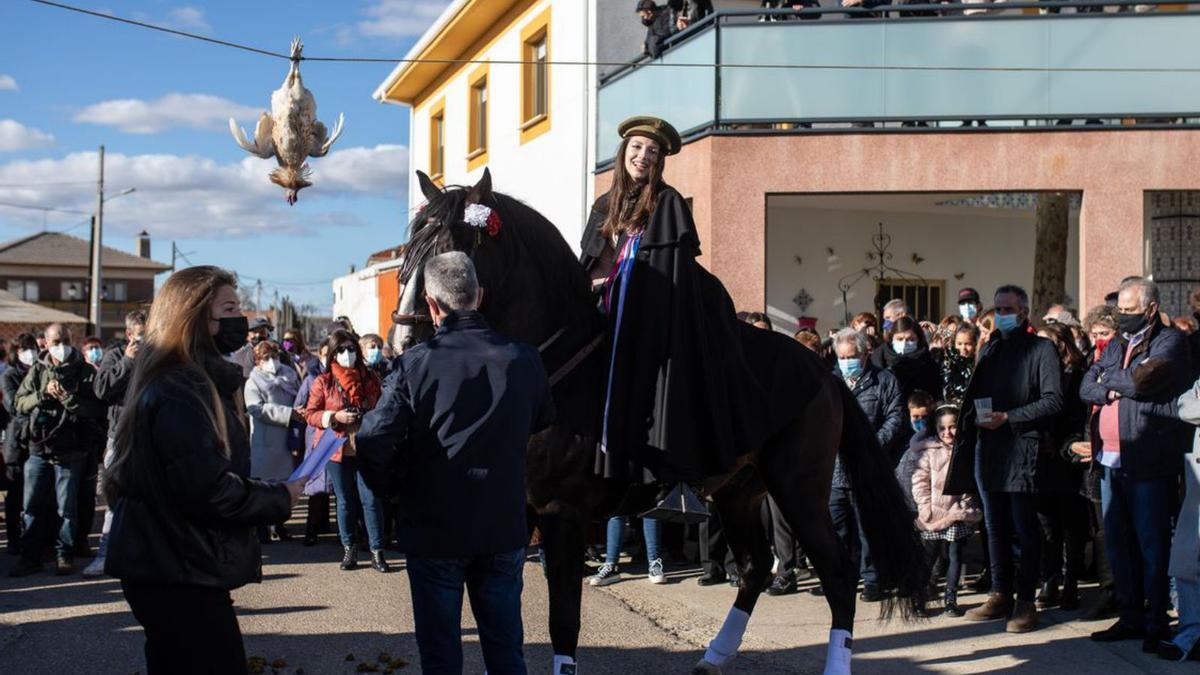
x=907, y=323
x=1064, y=343
x=630, y=203
x=339, y=337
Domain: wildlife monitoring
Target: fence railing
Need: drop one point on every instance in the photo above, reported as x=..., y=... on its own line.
x=731, y=71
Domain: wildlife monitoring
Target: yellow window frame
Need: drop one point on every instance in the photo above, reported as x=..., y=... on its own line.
x=437, y=165
x=477, y=149
x=534, y=32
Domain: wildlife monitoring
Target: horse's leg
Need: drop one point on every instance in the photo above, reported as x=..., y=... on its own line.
x=562, y=528
x=739, y=509
x=797, y=465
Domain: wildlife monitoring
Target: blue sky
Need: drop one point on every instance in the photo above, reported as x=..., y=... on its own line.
x=160, y=105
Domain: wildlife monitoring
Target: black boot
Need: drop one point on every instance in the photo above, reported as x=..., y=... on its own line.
x=984, y=583
x=951, y=602
x=378, y=563
x=349, y=558
x=1048, y=595
x=1070, y=594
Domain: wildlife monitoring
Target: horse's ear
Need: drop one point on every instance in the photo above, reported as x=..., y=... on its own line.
x=428, y=187
x=482, y=191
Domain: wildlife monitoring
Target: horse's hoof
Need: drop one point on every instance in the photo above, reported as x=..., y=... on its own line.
x=705, y=668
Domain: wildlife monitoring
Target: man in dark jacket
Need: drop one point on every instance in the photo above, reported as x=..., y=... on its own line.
x=448, y=438
x=112, y=378
x=660, y=22
x=1021, y=374
x=1139, y=442
x=65, y=420
x=878, y=394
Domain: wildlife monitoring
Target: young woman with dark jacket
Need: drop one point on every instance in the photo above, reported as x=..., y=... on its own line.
x=339, y=398
x=905, y=354
x=184, y=512
x=21, y=354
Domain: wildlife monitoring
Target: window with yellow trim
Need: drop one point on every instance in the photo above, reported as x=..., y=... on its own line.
x=437, y=143
x=535, y=77
x=477, y=141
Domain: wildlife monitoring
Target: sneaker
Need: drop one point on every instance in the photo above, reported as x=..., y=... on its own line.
x=784, y=584
x=94, y=569
x=712, y=578
x=64, y=566
x=656, y=575
x=607, y=574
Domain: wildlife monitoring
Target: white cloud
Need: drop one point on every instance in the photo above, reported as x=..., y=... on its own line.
x=193, y=111
x=400, y=18
x=7, y=83
x=188, y=18
x=16, y=136
x=197, y=197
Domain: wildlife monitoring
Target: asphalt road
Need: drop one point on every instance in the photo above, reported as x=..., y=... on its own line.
x=311, y=615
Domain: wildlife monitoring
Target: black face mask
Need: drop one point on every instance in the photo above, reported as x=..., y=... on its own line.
x=1132, y=324
x=231, y=334
x=647, y=22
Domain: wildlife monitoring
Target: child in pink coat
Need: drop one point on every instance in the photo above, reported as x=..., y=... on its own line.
x=945, y=521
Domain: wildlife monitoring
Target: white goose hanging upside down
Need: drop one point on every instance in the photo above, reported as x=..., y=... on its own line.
x=290, y=133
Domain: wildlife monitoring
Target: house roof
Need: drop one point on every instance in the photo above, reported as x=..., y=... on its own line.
x=392, y=253
x=16, y=310
x=56, y=248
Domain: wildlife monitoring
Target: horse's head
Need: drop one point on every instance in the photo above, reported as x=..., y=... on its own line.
x=453, y=219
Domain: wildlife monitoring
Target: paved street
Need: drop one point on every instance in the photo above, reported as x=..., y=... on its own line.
x=313, y=616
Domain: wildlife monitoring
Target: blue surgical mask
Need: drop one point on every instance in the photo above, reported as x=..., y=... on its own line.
x=887, y=324
x=850, y=367
x=903, y=346
x=918, y=425
x=94, y=354
x=1007, y=322
x=374, y=356
x=968, y=311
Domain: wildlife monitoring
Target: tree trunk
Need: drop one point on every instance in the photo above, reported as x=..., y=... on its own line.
x=1050, y=252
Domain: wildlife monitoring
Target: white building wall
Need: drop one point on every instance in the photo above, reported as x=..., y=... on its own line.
x=355, y=295
x=987, y=249
x=553, y=172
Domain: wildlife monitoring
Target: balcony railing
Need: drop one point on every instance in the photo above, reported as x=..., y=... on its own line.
x=733, y=72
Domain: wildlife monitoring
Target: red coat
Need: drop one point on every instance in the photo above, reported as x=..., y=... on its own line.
x=326, y=398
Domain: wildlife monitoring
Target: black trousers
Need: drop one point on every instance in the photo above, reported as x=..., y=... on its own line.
x=715, y=556
x=1066, y=526
x=189, y=630
x=13, y=505
x=86, y=498
x=783, y=541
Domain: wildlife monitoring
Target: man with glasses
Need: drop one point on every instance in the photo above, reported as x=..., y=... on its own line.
x=1139, y=441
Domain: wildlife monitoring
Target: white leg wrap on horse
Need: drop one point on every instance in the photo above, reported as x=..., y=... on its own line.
x=564, y=665
x=725, y=645
x=837, y=659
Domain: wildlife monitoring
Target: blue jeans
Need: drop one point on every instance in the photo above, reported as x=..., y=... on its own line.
x=1009, y=514
x=1189, y=613
x=1137, y=528
x=354, y=500
x=848, y=525
x=51, y=493
x=494, y=584
x=616, y=532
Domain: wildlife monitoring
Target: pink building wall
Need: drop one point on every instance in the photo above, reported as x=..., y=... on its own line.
x=729, y=178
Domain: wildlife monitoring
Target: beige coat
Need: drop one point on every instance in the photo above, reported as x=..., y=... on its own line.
x=937, y=511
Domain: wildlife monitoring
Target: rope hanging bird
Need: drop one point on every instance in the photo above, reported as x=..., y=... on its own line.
x=290, y=132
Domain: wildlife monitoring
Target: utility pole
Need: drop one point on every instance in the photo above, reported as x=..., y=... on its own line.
x=174, y=254
x=258, y=297
x=97, y=245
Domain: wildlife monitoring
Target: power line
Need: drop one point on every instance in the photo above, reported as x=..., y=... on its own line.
x=287, y=283
x=48, y=183
x=33, y=207
x=618, y=64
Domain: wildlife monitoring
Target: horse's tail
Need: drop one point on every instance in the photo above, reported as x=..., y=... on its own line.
x=886, y=519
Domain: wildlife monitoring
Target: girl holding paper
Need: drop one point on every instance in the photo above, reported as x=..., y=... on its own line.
x=184, y=511
x=339, y=398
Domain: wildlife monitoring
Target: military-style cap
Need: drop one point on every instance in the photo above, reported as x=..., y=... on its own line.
x=652, y=127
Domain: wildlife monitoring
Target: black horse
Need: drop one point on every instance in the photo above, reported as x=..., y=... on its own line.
x=535, y=290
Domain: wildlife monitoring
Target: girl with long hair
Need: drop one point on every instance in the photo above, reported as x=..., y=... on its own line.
x=339, y=398
x=184, y=512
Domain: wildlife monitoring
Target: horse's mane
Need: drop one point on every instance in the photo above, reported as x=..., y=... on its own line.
x=539, y=244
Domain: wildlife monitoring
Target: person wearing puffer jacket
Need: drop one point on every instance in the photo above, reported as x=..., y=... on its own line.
x=945, y=521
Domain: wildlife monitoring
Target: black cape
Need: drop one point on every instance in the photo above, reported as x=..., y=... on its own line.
x=684, y=403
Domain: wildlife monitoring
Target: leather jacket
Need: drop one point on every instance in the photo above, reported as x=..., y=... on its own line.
x=186, y=512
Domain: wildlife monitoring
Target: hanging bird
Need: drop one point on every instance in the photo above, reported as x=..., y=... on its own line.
x=917, y=259
x=290, y=133
x=959, y=275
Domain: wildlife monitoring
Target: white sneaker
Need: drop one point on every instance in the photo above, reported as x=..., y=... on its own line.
x=656, y=575
x=94, y=569
x=607, y=574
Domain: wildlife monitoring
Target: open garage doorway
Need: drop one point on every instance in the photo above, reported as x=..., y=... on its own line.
x=831, y=256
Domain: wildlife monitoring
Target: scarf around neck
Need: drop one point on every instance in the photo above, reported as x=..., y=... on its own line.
x=352, y=383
